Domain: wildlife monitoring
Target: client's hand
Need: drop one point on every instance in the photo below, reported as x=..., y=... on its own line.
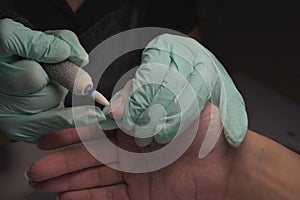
x=76, y=174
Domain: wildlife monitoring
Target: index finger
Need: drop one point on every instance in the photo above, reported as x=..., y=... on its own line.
x=16, y=39
x=70, y=136
x=71, y=159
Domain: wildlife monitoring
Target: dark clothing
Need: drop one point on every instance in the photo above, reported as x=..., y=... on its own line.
x=57, y=14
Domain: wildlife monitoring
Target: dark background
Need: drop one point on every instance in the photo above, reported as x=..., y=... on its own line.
x=259, y=38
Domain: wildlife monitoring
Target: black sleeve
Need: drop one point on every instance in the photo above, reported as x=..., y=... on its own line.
x=178, y=15
x=6, y=13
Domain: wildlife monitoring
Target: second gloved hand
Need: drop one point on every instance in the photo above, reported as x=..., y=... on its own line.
x=31, y=105
x=181, y=76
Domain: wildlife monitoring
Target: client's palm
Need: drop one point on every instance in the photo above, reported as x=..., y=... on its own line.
x=77, y=175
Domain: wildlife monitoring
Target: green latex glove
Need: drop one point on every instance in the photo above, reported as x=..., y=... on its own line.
x=31, y=105
x=199, y=70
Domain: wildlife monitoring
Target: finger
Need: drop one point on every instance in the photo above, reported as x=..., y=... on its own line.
x=41, y=101
x=84, y=179
x=71, y=136
x=231, y=104
x=144, y=133
x=60, y=163
x=31, y=128
x=70, y=160
x=22, y=77
x=165, y=60
x=115, y=192
x=65, y=137
x=149, y=90
x=234, y=117
x=173, y=51
x=77, y=55
x=189, y=103
x=24, y=42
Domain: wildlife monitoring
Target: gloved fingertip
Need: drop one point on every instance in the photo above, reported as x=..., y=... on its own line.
x=162, y=139
x=235, y=130
x=143, y=142
x=82, y=61
x=85, y=60
x=235, y=139
x=167, y=131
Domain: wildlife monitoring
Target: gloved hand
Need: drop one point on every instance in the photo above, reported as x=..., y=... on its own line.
x=31, y=105
x=173, y=66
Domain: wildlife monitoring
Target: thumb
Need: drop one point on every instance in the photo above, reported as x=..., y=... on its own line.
x=31, y=128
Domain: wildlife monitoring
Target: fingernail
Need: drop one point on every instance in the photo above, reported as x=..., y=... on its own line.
x=27, y=175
